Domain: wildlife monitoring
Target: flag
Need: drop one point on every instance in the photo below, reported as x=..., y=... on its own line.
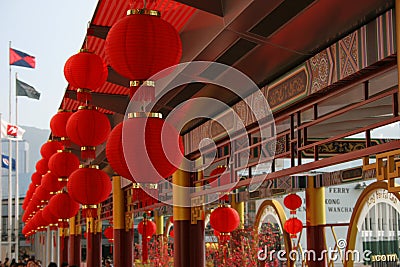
x=19, y=58
x=11, y=131
x=5, y=162
x=24, y=89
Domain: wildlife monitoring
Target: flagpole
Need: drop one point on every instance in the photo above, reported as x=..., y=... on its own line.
x=1, y=192
x=16, y=202
x=9, y=227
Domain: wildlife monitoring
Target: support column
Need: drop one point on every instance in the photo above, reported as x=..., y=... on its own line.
x=197, y=244
x=97, y=238
x=123, y=228
x=159, y=220
x=74, y=252
x=64, y=238
x=316, y=219
x=239, y=207
x=181, y=219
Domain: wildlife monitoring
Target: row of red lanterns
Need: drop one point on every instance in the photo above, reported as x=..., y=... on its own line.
x=88, y=128
x=293, y=225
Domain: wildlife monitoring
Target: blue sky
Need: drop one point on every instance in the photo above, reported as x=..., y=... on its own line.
x=52, y=31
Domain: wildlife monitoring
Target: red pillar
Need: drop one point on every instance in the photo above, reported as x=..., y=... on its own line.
x=93, y=246
x=181, y=219
x=123, y=228
x=74, y=252
x=64, y=238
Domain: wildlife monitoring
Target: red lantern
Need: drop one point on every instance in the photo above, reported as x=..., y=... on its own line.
x=142, y=44
x=292, y=202
x=153, y=148
x=63, y=207
x=171, y=233
x=49, y=218
x=115, y=153
x=58, y=123
x=85, y=71
x=51, y=183
x=218, y=174
x=43, y=195
x=89, y=186
x=62, y=164
x=36, y=178
x=42, y=166
x=109, y=233
x=224, y=219
x=293, y=226
x=88, y=128
x=51, y=147
x=147, y=228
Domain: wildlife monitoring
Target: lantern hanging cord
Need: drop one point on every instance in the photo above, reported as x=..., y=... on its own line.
x=86, y=37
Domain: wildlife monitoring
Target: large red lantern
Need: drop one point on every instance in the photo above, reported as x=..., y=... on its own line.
x=109, y=233
x=224, y=219
x=89, y=186
x=293, y=226
x=42, y=166
x=292, y=202
x=49, y=218
x=62, y=164
x=50, y=148
x=51, y=183
x=58, y=123
x=85, y=71
x=88, y=128
x=63, y=207
x=115, y=153
x=147, y=228
x=153, y=148
x=142, y=44
x=36, y=178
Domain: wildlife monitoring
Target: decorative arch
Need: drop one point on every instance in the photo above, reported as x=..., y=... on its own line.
x=279, y=214
x=360, y=211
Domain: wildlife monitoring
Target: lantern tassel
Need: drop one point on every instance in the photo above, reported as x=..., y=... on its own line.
x=89, y=213
x=88, y=152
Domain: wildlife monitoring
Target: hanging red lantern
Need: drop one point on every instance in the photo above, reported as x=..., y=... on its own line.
x=88, y=128
x=42, y=194
x=36, y=178
x=153, y=148
x=85, y=71
x=115, y=153
x=89, y=186
x=63, y=207
x=219, y=177
x=142, y=44
x=292, y=202
x=62, y=164
x=147, y=228
x=224, y=219
x=42, y=166
x=109, y=233
x=293, y=226
x=49, y=218
x=58, y=123
x=51, y=183
x=49, y=148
